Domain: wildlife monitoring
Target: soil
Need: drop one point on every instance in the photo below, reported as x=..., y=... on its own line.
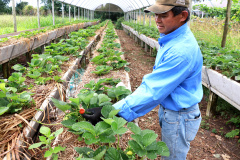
x=206, y=145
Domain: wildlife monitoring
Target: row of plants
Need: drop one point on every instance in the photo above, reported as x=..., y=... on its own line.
x=106, y=134
x=28, y=34
x=223, y=60
x=43, y=68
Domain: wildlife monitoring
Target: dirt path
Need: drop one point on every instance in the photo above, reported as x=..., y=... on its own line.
x=207, y=145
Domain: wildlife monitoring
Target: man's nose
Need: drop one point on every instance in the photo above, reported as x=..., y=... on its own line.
x=158, y=19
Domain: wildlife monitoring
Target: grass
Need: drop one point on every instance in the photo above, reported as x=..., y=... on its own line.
x=27, y=22
x=210, y=30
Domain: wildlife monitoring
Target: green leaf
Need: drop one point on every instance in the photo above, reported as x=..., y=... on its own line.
x=18, y=67
x=120, y=121
x=58, y=149
x=137, y=148
x=90, y=138
x=48, y=153
x=63, y=106
x=134, y=128
x=100, y=155
x=102, y=127
x=113, y=113
x=108, y=121
x=149, y=138
x=103, y=98
x=162, y=149
x=35, y=145
x=34, y=75
x=84, y=125
x=3, y=110
x=75, y=100
x=45, y=131
x=117, y=129
x=113, y=154
x=42, y=138
x=68, y=123
x=86, y=152
x=3, y=87
x=106, y=110
x=54, y=157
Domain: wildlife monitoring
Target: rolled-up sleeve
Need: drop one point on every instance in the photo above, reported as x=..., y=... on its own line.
x=155, y=87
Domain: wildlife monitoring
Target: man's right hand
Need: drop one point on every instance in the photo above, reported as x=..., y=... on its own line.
x=93, y=115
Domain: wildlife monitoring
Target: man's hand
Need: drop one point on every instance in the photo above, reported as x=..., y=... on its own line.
x=93, y=115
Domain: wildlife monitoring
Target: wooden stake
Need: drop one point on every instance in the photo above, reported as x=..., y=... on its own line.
x=212, y=104
x=28, y=56
x=6, y=70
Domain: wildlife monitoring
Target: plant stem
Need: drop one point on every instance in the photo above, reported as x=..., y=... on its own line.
x=118, y=142
x=47, y=124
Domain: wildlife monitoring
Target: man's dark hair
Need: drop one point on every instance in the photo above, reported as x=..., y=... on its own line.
x=178, y=9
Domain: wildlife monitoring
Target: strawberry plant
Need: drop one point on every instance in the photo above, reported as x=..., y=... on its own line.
x=101, y=70
x=46, y=140
x=98, y=87
x=118, y=93
x=12, y=101
x=143, y=142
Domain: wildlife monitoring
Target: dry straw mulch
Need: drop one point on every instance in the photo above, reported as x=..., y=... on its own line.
x=11, y=126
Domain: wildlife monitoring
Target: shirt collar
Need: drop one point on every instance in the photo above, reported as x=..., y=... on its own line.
x=164, y=38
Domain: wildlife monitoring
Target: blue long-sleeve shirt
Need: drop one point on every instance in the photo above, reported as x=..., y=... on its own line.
x=175, y=81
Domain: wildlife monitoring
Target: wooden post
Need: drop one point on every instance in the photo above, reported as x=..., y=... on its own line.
x=69, y=13
x=212, y=104
x=142, y=44
x=14, y=16
x=74, y=13
x=139, y=16
x=84, y=13
x=144, y=18
x=28, y=56
x=150, y=19
x=42, y=48
x=62, y=13
x=6, y=70
x=146, y=47
x=53, y=12
x=151, y=51
x=38, y=14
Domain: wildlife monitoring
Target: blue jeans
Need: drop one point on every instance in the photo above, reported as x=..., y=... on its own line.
x=179, y=128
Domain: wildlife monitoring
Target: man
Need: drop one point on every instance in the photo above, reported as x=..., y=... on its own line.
x=175, y=82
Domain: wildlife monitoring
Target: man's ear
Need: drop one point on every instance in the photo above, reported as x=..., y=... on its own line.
x=184, y=15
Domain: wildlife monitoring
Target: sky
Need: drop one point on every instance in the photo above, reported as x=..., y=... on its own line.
x=30, y=2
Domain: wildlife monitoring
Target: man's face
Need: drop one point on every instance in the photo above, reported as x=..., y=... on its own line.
x=167, y=22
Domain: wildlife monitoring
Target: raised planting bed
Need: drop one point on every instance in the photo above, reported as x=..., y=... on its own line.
x=219, y=84
x=17, y=141
x=25, y=45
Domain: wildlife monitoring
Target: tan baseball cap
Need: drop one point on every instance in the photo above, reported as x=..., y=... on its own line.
x=162, y=6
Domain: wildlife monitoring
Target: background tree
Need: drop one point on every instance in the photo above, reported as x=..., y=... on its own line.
x=4, y=6
x=48, y=6
x=29, y=10
x=20, y=6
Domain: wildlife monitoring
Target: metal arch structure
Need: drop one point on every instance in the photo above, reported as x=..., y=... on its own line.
x=125, y=5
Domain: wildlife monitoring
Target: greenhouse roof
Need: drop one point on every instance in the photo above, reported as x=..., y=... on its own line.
x=125, y=5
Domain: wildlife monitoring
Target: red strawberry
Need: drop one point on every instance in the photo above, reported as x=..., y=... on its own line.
x=82, y=111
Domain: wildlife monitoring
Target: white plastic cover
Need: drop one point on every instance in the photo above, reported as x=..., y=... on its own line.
x=125, y=5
